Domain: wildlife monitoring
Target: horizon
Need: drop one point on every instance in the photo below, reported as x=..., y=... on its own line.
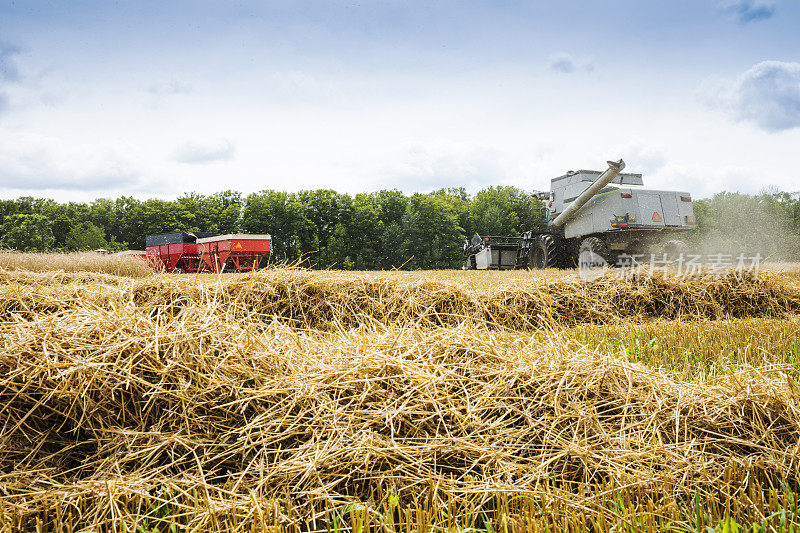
x=139, y=99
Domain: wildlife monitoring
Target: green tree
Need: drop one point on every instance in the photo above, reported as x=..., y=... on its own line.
x=159, y=216
x=364, y=229
x=225, y=212
x=493, y=212
x=432, y=235
x=735, y=223
x=394, y=247
x=101, y=214
x=127, y=222
x=459, y=202
x=27, y=233
x=193, y=210
x=281, y=215
x=64, y=217
x=393, y=206
x=324, y=209
x=505, y=211
x=86, y=236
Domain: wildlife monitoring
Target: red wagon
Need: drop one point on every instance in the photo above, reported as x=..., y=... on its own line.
x=236, y=252
x=176, y=251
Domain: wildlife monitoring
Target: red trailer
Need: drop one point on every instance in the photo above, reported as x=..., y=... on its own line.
x=236, y=252
x=178, y=258
x=176, y=251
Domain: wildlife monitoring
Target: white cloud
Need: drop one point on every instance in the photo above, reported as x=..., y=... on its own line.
x=198, y=153
x=441, y=164
x=9, y=73
x=768, y=95
x=640, y=156
x=8, y=67
x=566, y=63
x=703, y=181
x=166, y=89
x=34, y=162
x=745, y=11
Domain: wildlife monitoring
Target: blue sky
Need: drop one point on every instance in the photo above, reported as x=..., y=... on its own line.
x=155, y=99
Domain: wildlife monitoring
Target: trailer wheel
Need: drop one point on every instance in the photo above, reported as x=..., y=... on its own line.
x=593, y=251
x=177, y=271
x=543, y=253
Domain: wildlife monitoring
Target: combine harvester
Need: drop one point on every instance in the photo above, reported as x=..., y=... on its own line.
x=591, y=214
x=182, y=251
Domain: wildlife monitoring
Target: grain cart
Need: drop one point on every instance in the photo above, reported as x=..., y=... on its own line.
x=184, y=251
x=605, y=214
x=176, y=251
x=235, y=252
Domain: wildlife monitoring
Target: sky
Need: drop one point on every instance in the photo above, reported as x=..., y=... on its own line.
x=157, y=99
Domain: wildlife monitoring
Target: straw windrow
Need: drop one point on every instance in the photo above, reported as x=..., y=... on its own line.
x=330, y=301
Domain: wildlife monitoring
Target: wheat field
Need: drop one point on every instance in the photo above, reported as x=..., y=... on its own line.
x=292, y=400
x=116, y=264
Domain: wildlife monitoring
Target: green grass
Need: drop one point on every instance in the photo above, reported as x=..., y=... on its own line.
x=755, y=510
x=699, y=349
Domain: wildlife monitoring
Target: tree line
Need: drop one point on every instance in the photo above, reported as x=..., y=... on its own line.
x=321, y=228
x=380, y=230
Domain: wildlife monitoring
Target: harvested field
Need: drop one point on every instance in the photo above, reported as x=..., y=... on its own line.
x=329, y=401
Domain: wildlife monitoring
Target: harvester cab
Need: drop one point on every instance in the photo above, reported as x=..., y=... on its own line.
x=605, y=214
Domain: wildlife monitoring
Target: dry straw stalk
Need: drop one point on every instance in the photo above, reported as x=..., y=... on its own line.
x=278, y=397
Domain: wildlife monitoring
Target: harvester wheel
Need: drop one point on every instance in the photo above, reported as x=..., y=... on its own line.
x=675, y=249
x=177, y=270
x=543, y=253
x=594, y=250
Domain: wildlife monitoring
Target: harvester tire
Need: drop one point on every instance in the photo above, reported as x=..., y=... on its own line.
x=597, y=247
x=543, y=253
x=674, y=250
